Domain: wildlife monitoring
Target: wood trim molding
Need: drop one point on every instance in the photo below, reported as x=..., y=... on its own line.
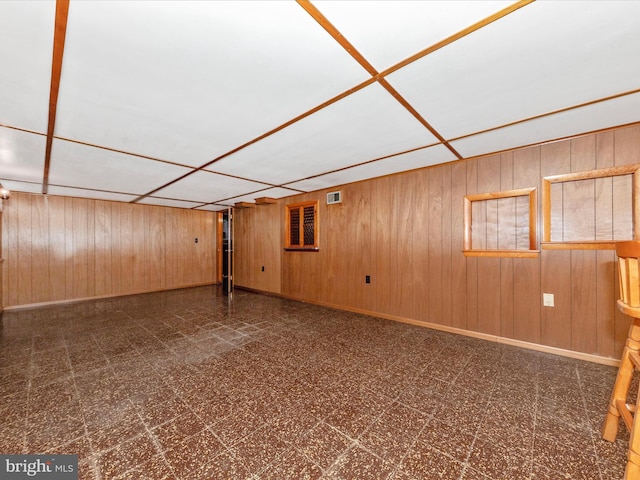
x=532, y=252
x=266, y=201
x=614, y=362
x=59, y=36
x=358, y=57
x=547, y=244
x=100, y=297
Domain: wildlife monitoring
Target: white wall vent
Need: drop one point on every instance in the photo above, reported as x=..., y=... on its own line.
x=334, y=197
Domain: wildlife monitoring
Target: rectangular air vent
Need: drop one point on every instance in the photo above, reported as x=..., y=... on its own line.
x=334, y=197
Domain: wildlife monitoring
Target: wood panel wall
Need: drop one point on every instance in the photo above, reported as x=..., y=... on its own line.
x=406, y=231
x=249, y=258
x=62, y=248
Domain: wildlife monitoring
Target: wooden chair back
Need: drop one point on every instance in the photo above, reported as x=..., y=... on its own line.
x=629, y=274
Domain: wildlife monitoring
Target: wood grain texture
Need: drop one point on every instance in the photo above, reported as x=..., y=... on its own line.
x=405, y=231
x=448, y=246
x=435, y=247
x=488, y=284
x=62, y=248
x=605, y=260
x=423, y=248
x=527, y=293
x=405, y=247
x=506, y=241
x=472, y=262
x=458, y=261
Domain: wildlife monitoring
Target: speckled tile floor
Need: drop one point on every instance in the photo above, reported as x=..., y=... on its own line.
x=187, y=385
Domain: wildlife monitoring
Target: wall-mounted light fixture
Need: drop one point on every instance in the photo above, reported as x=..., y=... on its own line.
x=4, y=193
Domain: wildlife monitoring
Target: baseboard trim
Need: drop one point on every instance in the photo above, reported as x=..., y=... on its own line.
x=99, y=297
x=588, y=357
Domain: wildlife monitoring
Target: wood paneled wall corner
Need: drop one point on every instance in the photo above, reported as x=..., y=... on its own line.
x=263, y=226
x=406, y=232
x=61, y=248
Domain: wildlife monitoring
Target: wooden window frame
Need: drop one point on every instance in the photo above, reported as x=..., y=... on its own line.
x=532, y=252
x=547, y=244
x=300, y=207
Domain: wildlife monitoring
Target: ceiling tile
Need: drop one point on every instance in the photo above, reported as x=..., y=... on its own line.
x=206, y=187
x=387, y=32
x=189, y=81
x=543, y=57
x=95, y=194
x=581, y=120
x=366, y=125
x=22, y=186
x=408, y=161
x=26, y=46
x=22, y=155
x=165, y=202
x=213, y=208
x=78, y=165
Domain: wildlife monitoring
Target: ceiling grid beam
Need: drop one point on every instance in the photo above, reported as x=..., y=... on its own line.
x=59, y=36
x=358, y=57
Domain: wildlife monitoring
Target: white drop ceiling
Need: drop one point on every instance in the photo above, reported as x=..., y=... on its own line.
x=205, y=104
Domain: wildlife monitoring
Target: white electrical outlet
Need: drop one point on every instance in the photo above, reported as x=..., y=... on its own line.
x=547, y=299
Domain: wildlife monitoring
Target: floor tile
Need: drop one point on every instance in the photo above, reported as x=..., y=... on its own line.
x=186, y=384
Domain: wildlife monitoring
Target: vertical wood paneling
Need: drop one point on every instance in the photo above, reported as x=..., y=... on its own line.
x=578, y=206
x=69, y=239
x=422, y=271
x=606, y=303
x=506, y=231
x=175, y=248
x=385, y=262
x=434, y=246
x=262, y=224
x=40, y=250
x=404, y=232
x=472, y=262
x=556, y=324
x=583, y=300
x=9, y=245
x=357, y=247
x=24, y=242
x=458, y=260
x=526, y=271
x=605, y=259
x=446, y=246
x=80, y=253
x=626, y=151
x=57, y=241
x=62, y=248
x=335, y=219
x=103, y=242
x=138, y=247
x=127, y=248
x=243, y=219
x=464, y=292
x=627, y=145
x=116, y=247
x=91, y=248
x=489, y=268
x=157, y=247
x=583, y=262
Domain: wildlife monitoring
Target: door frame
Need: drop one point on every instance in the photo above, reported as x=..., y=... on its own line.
x=220, y=249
